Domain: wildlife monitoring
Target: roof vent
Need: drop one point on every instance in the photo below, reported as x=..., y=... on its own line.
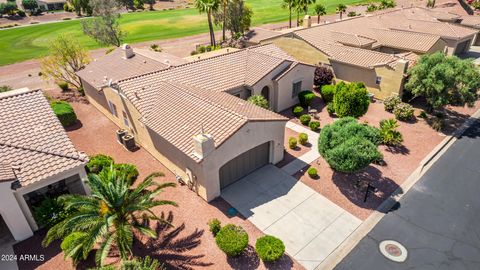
x=127, y=51
x=168, y=63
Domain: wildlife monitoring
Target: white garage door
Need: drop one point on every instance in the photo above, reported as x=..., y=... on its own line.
x=244, y=164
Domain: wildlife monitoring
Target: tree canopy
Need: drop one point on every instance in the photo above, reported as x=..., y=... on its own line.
x=444, y=80
x=350, y=99
x=104, y=27
x=348, y=146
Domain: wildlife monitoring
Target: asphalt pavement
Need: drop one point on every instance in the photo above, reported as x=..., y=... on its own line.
x=438, y=219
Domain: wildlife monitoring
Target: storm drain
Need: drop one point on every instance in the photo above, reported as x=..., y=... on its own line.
x=393, y=250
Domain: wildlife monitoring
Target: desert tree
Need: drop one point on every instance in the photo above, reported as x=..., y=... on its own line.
x=104, y=27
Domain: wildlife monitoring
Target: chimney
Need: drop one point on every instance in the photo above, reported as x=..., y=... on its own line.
x=127, y=51
x=402, y=65
x=203, y=145
x=307, y=21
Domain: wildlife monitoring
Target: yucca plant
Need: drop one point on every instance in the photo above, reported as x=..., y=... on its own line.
x=108, y=217
x=389, y=133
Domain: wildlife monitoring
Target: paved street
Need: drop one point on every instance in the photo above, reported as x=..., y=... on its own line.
x=438, y=221
x=309, y=224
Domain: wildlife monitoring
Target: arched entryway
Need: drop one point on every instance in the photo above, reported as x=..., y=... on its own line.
x=266, y=93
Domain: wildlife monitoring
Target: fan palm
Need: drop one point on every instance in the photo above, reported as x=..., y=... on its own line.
x=289, y=4
x=341, y=8
x=109, y=216
x=209, y=7
x=320, y=10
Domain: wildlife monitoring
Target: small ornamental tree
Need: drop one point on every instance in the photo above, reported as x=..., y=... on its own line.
x=348, y=146
x=259, y=100
x=444, y=80
x=323, y=76
x=350, y=99
x=30, y=5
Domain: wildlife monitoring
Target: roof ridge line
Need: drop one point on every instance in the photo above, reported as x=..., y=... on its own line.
x=46, y=152
x=17, y=92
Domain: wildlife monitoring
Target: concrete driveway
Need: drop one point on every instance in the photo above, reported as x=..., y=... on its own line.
x=310, y=225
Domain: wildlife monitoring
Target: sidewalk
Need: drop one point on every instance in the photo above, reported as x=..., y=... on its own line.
x=307, y=158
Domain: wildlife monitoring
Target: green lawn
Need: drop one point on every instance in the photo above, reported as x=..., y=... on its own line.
x=20, y=44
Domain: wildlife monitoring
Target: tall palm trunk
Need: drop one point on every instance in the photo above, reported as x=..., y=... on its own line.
x=298, y=18
x=290, y=18
x=318, y=19
x=210, y=26
x=224, y=19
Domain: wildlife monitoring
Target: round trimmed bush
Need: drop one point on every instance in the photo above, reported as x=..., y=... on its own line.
x=232, y=240
x=98, y=162
x=351, y=100
x=403, y=111
x=327, y=92
x=64, y=112
x=269, y=248
x=303, y=138
x=349, y=146
x=306, y=98
x=391, y=102
x=297, y=111
x=292, y=143
x=314, y=125
x=312, y=172
x=305, y=119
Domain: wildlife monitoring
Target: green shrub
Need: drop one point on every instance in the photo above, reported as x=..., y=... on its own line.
x=305, y=119
x=232, y=240
x=292, y=143
x=389, y=133
x=297, y=111
x=303, y=138
x=351, y=99
x=98, y=162
x=5, y=88
x=130, y=170
x=403, y=112
x=391, y=102
x=49, y=212
x=312, y=172
x=330, y=108
x=306, y=98
x=269, y=248
x=349, y=146
x=327, y=92
x=259, y=100
x=64, y=112
x=214, y=225
x=63, y=86
x=423, y=115
x=72, y=246
x=314, y=125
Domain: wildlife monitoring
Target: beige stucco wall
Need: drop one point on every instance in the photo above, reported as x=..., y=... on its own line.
x=12, y=214
x=206, y=178
x=302, y=73
x=453, y=43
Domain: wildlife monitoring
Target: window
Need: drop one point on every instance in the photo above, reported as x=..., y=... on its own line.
x=113, y=108
x=378, y=80
x=125, y=119
x=297, y=88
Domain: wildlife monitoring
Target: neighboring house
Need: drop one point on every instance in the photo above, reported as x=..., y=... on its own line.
x=37, y=159
x=51, y=4
x=376, y=48
x=194, y=117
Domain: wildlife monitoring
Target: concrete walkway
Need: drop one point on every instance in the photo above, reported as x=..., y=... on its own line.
x=310, y=225
x=307, y=158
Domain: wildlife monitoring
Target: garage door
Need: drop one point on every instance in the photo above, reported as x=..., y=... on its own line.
x=244, y=164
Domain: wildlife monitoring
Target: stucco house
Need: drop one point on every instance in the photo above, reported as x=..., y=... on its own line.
x=194, y=117
x=376, y=49
x=37, y=159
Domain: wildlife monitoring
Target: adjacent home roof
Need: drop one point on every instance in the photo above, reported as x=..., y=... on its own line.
x=179, y=102
x=6, y=172
x=33, y=143
x=257, y=34
x=471, y=21
x=115, y=66
x=417, y=42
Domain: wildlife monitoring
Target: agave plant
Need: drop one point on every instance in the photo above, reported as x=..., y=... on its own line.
x=108, y=217
x=389, y=133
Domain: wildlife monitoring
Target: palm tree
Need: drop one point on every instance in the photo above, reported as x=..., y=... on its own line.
x=320, y=10
x=341, y=8
x=208, y=6
x=289, y=4
x=224, y=4
x=109, y=217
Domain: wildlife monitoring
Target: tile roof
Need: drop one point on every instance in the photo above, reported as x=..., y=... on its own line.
x=114, y=66
x=257, y=34
x=6, y=172
x=472, y=21
x=177, y=102
x=34, y=142
x=418, y=42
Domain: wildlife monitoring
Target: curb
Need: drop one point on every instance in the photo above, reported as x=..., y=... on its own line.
x=356, y=236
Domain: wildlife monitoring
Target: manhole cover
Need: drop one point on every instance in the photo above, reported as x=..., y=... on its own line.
x=393, y=250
